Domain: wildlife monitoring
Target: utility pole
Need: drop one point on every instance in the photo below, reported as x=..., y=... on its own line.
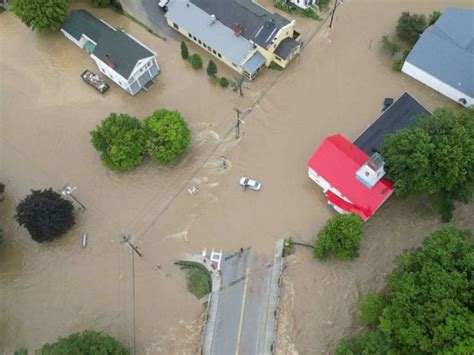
x=67, y=191
x=126, y=239
x=237, y=127
x=333, y=12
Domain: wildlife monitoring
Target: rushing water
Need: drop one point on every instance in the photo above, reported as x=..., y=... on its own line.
x=51, y=290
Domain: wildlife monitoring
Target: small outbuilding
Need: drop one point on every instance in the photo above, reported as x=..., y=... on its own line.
x=443, y=57
x=118, y=55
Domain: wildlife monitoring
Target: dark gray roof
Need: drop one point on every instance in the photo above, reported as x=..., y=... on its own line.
x=124, y=51
x=401, y=114
x=286, y=47
x=445, y=50
x=81, y=22
x=256, y=23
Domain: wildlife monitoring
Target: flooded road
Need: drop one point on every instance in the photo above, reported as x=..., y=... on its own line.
x=336, y=85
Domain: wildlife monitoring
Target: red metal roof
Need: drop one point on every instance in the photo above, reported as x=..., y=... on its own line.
x=337, y=161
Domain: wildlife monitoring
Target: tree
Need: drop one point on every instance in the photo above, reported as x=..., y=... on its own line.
x=211, y=68
x=370, y=308
x=371, y=343
x=430, y=296
x=195, y=61
x=341, y=236
x=410, y=27
x=389, y=45
x=184, y=50
x=168, y=136
x=428, y=301
x=45, y=214
x=223, y=82
x=435, y=15
x=40, y=15
x=239, y=84
x=435, y=156
x=87, y=343
x=120, y=139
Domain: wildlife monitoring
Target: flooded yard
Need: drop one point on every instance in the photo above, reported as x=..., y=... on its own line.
x=336, y=85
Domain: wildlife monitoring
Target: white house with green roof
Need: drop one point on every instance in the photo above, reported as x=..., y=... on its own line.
x=118, y=55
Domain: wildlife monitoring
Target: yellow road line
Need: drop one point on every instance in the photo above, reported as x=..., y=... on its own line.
x=242, y=308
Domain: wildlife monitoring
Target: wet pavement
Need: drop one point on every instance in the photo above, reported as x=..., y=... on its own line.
x=335, y=85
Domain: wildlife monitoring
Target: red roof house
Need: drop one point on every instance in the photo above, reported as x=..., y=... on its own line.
x=351, y=180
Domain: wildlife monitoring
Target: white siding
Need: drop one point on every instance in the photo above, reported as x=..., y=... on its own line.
x=110, y=73
x=436, y=84
x=71, y=38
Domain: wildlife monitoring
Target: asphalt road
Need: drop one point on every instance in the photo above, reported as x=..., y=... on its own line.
x=242, y=309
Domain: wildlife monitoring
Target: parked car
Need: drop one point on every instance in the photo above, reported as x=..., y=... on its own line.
x=95, y=81
x=246, y=182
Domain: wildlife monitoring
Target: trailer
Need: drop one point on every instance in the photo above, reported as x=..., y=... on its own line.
x=95, y=81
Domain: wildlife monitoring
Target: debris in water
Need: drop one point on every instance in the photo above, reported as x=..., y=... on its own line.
x=84, y=240
x=193, y=190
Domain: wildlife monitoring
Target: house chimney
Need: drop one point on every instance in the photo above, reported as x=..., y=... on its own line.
x=109, y=62
x=237, y=29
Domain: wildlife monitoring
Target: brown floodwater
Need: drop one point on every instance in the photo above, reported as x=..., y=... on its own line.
x=336, y=85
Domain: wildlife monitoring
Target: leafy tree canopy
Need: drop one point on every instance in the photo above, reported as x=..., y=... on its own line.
x=120, y=139
x=371, y=343
x=40, y=15
x=211, y=68
x=431, y=297
x=45, y=214
x=184, y=50
x=435, y=156
x=168, y=136
x=195, y=60
x=341, y=236
x=371, y=307
x=410, y=27
x=87, y=343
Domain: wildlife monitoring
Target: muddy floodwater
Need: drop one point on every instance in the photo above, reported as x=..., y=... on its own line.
x=336, y=85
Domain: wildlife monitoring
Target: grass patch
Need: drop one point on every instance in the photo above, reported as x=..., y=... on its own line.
x=198, y=279
x=288, y=247
x=323, y=5
x=275, y=66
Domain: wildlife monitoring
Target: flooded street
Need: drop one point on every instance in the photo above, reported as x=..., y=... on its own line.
x=336, y=85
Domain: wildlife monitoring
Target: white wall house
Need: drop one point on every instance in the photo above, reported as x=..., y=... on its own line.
x=305, y=4
x=118, y=55
x=443, y=57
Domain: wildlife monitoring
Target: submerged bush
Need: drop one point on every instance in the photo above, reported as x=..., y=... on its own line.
x=195, y=61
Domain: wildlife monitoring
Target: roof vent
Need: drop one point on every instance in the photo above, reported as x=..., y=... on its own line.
x=109, y=62
x=213, y=19
x=237, y=29
x=372, y=171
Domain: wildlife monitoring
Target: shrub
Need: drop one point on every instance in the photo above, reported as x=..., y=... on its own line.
x=195, y=61
x=211, y=68
x=21, y=351
x=88, y=342
x=371, y=308
x=198, y=279
x=120, y=140
x=389, y=45
x=370, y=343
x=275, y=66
x=224, y=82
x=45, y=214
x=184, y=50
x=168, y=136
x=435, y=15
x=410, y=27
x=45, y=15
x=398, y=64
x=100, y=3
x=341, y=236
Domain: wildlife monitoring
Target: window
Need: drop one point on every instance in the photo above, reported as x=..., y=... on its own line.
x=175, y=26
x=194, y=38
x=214, y=51
x=199, y=41
x=234, y=65
x=219, y=55
x=190, y=35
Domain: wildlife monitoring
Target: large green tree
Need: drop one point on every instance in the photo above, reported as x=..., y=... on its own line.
x=341, y=237
x=120, y=139
x=87, y=343
x=45, y=214
x=410, y=27
x=429, y=299
x=40, y=15
x=435, y=157
x=168, y=136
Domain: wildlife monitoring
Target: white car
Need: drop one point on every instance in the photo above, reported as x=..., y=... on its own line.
x=246, y=182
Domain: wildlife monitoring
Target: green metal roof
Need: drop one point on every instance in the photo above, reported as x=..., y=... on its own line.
x=124, y=51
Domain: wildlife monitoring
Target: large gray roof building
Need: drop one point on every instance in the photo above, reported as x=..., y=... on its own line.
x=241, y=33
x=443, y=57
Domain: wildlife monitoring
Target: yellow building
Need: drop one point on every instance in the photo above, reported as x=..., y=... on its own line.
x=240, y=33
